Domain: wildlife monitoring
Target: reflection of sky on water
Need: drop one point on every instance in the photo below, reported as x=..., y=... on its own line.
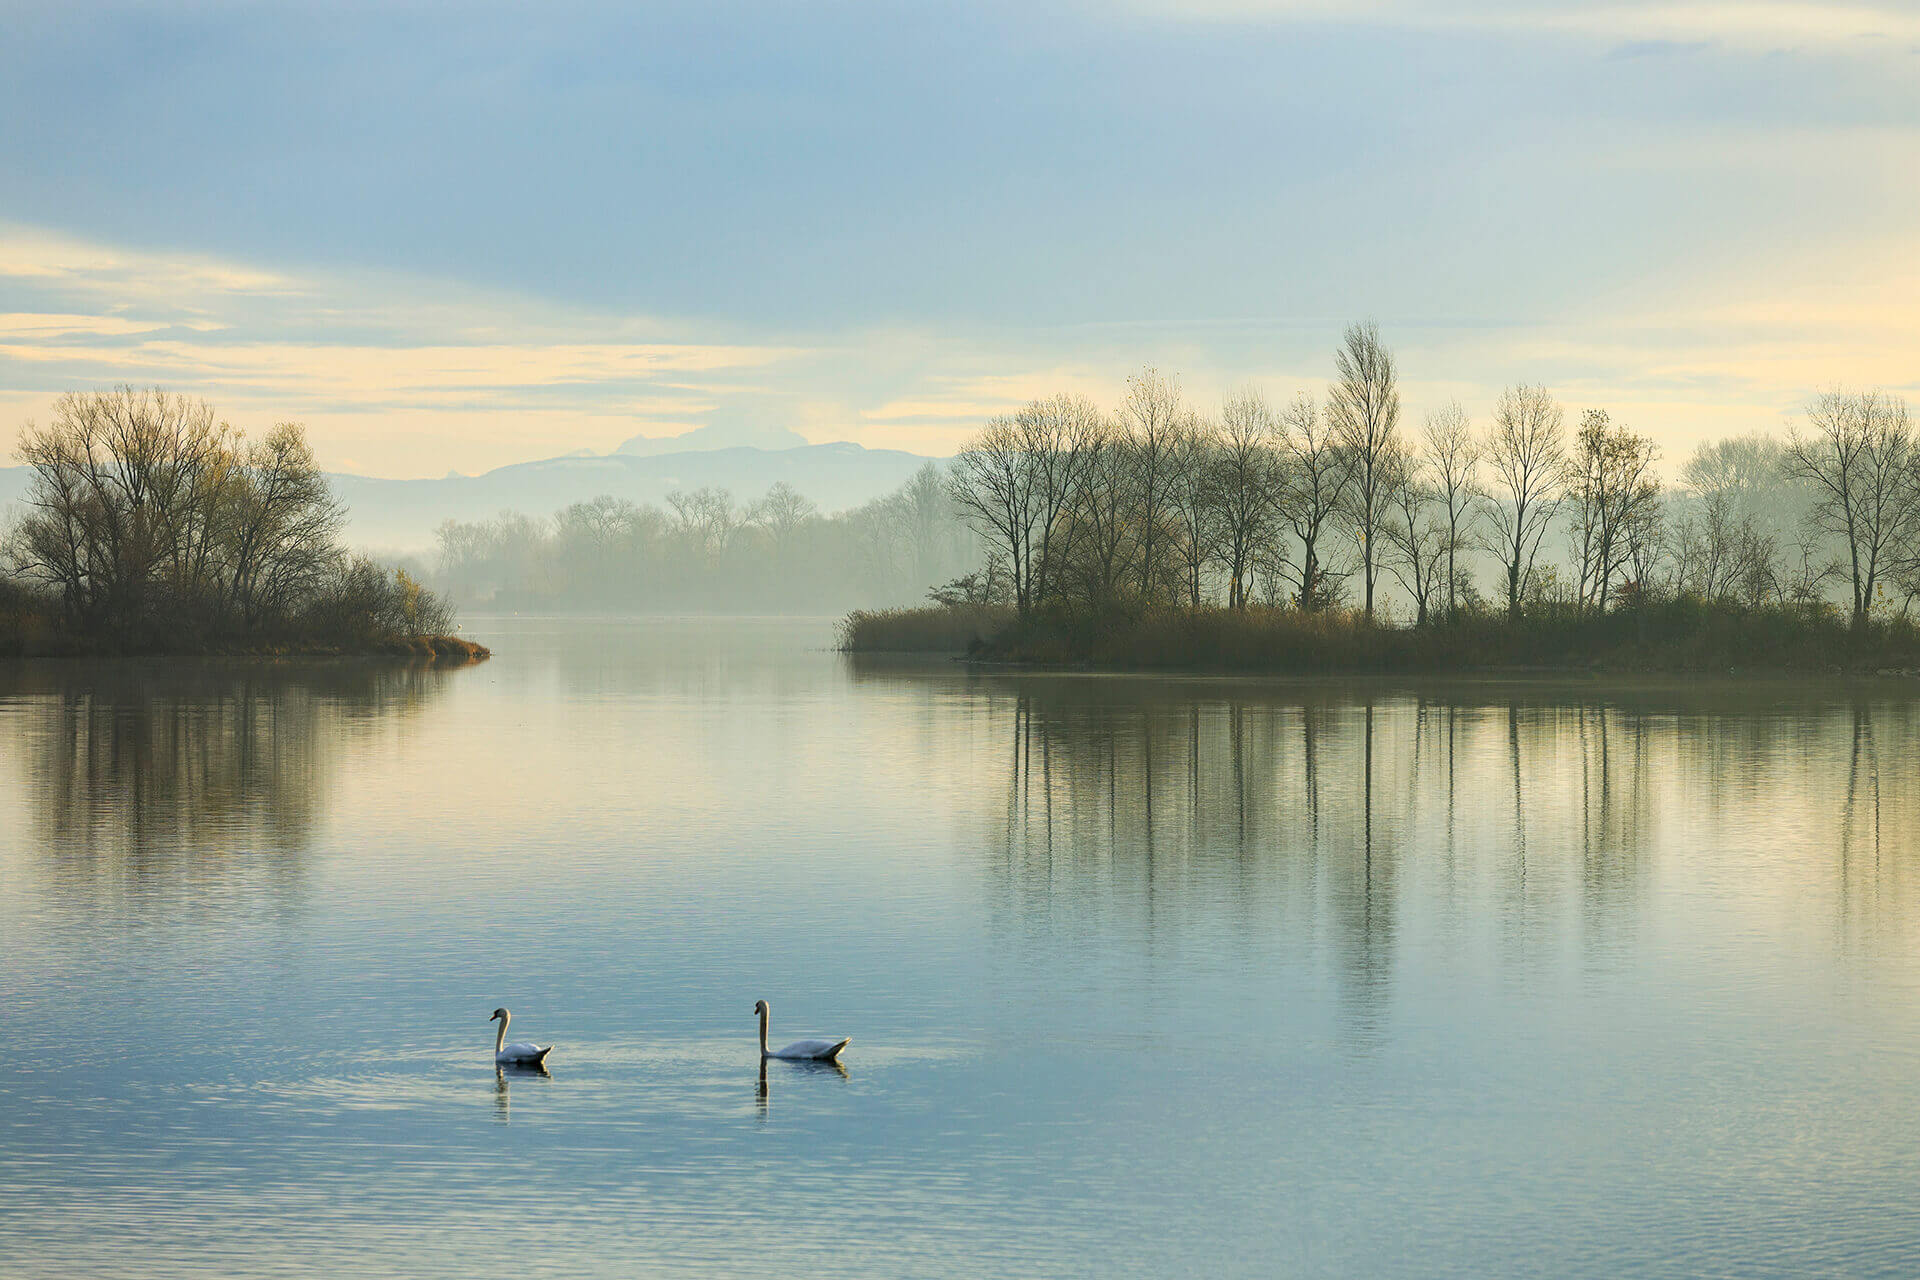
x=1143, y=975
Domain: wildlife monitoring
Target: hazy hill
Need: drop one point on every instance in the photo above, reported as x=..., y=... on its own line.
x=400, y=515
x=719, y=435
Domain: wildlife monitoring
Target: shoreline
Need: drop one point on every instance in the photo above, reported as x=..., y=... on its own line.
x=1518, y=674
x=437, y=650
x=1673, y=639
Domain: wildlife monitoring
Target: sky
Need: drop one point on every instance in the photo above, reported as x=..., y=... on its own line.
x=451, y=237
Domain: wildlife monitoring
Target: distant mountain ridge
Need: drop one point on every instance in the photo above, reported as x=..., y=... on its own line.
x=401, y=515
x=719, y=435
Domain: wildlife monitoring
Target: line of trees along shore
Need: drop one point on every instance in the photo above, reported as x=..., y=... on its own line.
x=706, y=551
x=1318, y=504
x=152, y=526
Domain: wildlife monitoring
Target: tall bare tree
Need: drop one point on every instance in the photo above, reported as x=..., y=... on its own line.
x=1453, y=462
x=1363, y=405
x=1105, y=519
x=1151, y=418
x=124, y=503
x=1063, y=436
x=1858, y=459
x=922, y=515
x=284, y=527
x=1316, y=472
x=1415, y=531
x=1615, y=500
x=1245, y=488
x=992, y=484
x=1528, y=459
x=1192, y=501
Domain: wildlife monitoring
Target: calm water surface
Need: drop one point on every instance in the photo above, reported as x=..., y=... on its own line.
x=1145, y=976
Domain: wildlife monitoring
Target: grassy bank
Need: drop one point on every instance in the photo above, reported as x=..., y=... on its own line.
x=1680, y=635
x=31, y=627
x=37, y=641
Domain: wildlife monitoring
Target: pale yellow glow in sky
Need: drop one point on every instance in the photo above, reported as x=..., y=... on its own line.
x=1750, y=23
x=444, y=384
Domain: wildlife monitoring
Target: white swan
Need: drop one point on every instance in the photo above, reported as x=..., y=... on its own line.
x=799, y=1050
x=516, y=1055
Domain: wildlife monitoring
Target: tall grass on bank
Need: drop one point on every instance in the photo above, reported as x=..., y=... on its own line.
x=934, y=629
x=1676, y=634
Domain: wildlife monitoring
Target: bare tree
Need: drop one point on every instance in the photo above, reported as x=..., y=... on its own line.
x=1415, y=531
x=1106, y=530
x=707, y=520
x=1528, y=460
x=1363, y=406
x=1858, y=459
x=1151, y=417
x=782, y=511
x=122, y=504
x=993, y=487
x=592, y=541
x=1640, y=534
x=284, y=527
x=158, y=525
x=1615, y=502
x=1064, y=437
x=1453, y=461
x=1315, y=474
x=1192, y=502
x=924, y=514
x=1018, y=482
x=1245, y=485
x=1735, y=503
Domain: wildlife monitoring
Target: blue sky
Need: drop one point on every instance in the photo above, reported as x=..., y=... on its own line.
x=456, y=236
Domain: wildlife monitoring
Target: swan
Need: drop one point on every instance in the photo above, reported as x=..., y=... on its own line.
x=522, y=1054
x=799, y=1050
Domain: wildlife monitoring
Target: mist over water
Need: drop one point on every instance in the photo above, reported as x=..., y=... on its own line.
x=1144, y=975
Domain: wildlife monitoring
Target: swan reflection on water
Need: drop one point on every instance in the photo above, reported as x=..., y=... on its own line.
x=796, y=1067
x=502, y=1101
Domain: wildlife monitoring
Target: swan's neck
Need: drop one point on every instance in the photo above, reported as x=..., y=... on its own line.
x=763, y=1033
x=501, y=1039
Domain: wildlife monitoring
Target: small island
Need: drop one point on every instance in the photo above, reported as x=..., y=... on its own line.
x=1319, y=537
x=151, y=527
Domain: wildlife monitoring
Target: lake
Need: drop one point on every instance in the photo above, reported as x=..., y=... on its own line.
x=1145, y=976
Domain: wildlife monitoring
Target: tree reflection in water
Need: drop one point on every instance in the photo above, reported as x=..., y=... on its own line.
x=1540, y=814
x=182, y=782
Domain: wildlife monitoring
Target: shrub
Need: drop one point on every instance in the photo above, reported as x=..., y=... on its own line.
x=361, y=605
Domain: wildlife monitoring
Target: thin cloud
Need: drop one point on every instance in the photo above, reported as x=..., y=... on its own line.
x=50, y=260
x=1715, y=349
x=41, y=327
x=1659, y=48
x=1759, y=25
x=221, y=330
